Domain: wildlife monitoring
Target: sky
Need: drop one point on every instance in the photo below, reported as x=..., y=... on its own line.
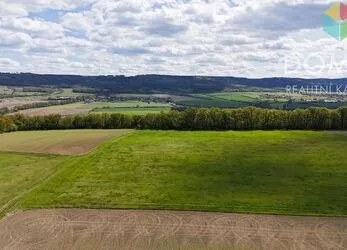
x=253, y=38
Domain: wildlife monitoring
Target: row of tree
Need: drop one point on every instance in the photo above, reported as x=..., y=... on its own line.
x=7, y=124
x=191, y=119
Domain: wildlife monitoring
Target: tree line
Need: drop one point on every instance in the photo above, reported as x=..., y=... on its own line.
x=191, y=119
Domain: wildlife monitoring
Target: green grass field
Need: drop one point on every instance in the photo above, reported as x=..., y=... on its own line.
x=131, y=111
x=129, y=107
x=231, y=99
x=202, y=100
x=265, y=99
x=282, y=172
x=94, y=105
x=239, y=96
x=21, y=172
x=66, y=92
x=253, y=97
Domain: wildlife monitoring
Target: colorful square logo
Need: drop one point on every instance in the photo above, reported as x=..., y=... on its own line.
x=335, y=21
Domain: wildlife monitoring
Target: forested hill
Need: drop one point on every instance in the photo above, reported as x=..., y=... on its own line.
x=155, y=83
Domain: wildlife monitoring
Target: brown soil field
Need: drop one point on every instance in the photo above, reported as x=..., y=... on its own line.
x=130, y=229
x=57, y=111
x=61, y=142
x=12, y=103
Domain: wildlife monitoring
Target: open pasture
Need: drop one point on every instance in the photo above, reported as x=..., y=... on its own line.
x=130, y=107
x=268, y=99
x=239, y=96
x=63, y=142
x=67, y=92
x=127, y=104
x=20, y=172
x=203, y=100
x=282, y=172
x=272, y=172
x=131, y=111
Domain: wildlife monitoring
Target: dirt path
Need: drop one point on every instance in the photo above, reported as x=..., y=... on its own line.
x=118, y=229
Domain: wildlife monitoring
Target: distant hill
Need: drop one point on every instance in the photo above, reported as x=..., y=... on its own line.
x=156, y=83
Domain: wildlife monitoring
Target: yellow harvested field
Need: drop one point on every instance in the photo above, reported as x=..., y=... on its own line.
x=62, y=142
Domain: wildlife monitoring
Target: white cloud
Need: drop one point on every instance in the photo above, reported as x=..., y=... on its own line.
x=8, y=64
x=35, y=28
x=76, y=21
x=217, y=37
x=12, y=10
x=38, y=5
x=14, y=39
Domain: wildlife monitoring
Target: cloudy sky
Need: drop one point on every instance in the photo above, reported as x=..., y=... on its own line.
x=252, y=38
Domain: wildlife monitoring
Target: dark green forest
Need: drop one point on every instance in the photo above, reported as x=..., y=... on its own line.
x=154, y=83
